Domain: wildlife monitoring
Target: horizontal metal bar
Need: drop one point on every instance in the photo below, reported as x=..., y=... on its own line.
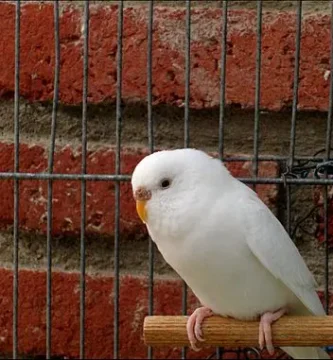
x=110, y=177
x=293, y=181
x=273, y=158
x=46, y=176
x=118, y=178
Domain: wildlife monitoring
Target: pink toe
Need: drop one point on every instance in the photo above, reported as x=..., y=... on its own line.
x=193, y=326
x=198, y=333
x=265, y=330
x=190, y=329
x=195, y=347
x=261, y=337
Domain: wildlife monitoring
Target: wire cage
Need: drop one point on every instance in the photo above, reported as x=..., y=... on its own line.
x=298, y=170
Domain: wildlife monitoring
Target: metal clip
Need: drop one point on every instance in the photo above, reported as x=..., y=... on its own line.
x=324, y=169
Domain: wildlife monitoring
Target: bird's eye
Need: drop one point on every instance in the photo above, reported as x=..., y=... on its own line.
x=165, y=183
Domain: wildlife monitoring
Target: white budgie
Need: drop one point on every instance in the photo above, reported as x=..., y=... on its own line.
x=225, y=243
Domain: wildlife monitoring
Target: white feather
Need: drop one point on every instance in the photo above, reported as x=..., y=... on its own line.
x=272, y=245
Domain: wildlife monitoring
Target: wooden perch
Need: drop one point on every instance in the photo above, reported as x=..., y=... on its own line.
x=218, y=331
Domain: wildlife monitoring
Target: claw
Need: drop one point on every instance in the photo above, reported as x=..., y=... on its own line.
x=193, y=326
x=265, y=330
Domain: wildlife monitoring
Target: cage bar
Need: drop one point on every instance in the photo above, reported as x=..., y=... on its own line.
x=223, y=61
x=50, y=181
x=187, y=119
x=151, y=247
x=121, y=178
x=294, y=107
x=118, y=171
x=224, y=45
x=83, y=182
x=257, y=91
x=16, y=182
x=328, y=156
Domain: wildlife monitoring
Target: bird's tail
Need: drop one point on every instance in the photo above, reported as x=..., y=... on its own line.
x=306, y=353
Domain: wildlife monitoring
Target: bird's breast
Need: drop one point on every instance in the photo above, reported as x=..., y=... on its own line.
x=211, y=254
x=228, y=279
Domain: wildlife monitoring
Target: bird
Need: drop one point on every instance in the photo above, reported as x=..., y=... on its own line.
x=225, y=243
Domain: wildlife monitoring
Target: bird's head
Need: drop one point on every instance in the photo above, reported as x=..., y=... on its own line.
x=169, y=184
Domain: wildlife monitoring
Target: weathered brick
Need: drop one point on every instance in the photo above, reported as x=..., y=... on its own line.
x=99, y=314
x=278, y=46
x=100, y=194
x=66, y=314
x=318, y=196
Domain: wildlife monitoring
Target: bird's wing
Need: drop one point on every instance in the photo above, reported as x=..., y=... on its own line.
x=271, y=244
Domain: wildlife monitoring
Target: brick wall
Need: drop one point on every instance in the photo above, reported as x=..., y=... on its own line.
x=37, y=75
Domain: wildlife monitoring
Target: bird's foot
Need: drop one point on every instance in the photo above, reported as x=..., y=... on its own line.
x=265, y=331
x=194, y=322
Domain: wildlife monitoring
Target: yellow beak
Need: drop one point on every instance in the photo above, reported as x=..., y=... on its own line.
x=141, y=210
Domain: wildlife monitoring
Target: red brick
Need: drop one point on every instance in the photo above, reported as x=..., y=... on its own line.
x=66, y=313
x=278, y=45
x=99, y=314
x=100, y=194
x=320, y=216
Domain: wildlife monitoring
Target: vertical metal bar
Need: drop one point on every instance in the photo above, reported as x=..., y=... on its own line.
x=294, y=106
x=186, y=119
x=326, y=218
x=257, y=97
x=187, y=74
x=50, y=181
x=149, y=76
x=16, y=169
x=223, y=76
x=117, y=184
x=151, y=248
x=288, y=208
x=224, y=35
x=257, y=91
x=328, y=155
x=296, y=82
x=83, y=182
